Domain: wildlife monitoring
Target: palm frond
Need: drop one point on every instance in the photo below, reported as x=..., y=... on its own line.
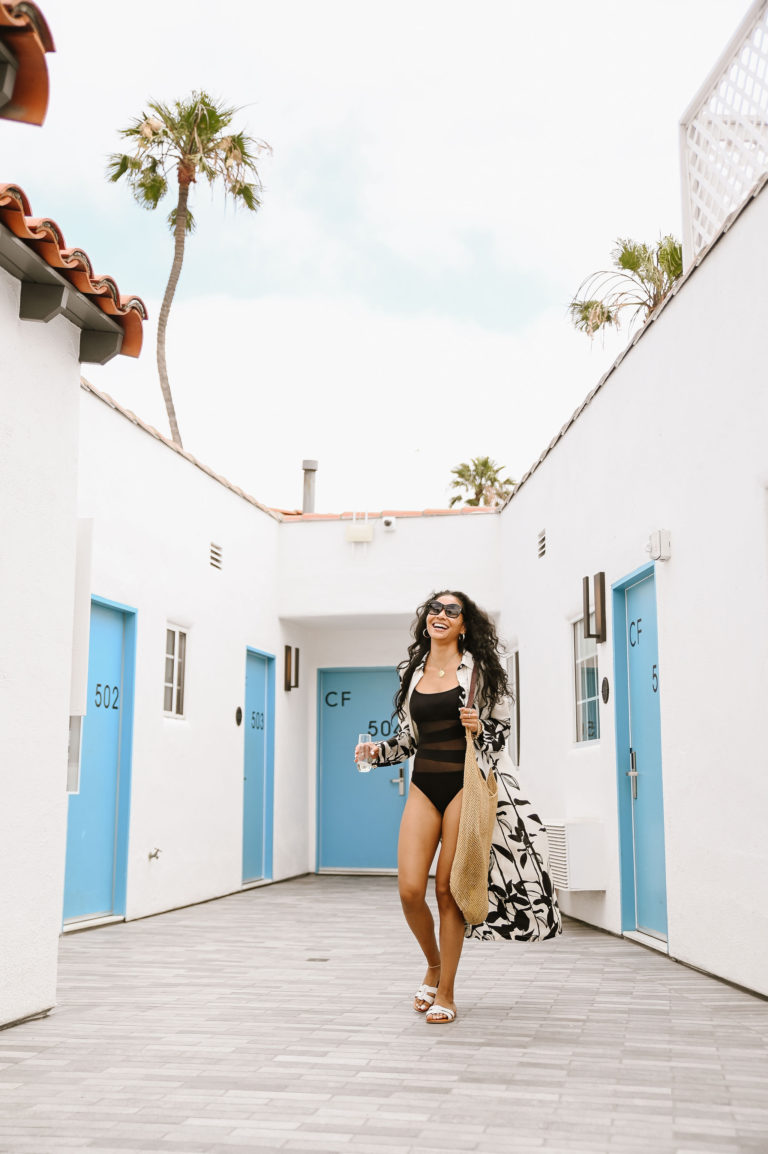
x=189, y=138
x=588, y=316
x=189, y=225
x=640, y=280
x=117, y=165
x=670, y=257
x=630, y=255
x=481, y=479
x=150, y=185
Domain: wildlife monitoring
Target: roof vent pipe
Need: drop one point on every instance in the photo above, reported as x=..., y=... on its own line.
x=310, y=468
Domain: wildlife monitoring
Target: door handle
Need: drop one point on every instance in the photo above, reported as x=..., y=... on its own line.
x=632, y=772
x=400, y=781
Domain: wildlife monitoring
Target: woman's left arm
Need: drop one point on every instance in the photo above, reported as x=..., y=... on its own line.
x=495, y=725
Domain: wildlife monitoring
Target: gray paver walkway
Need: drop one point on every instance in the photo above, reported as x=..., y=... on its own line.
x=280, y=1019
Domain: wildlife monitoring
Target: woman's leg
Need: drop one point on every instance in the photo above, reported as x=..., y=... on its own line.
x=451, y=917
x=419, y=836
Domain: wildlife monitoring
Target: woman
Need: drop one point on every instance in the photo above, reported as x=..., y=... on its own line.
x=452, y=635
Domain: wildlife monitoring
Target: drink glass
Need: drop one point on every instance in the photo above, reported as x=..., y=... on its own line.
x=364, y=766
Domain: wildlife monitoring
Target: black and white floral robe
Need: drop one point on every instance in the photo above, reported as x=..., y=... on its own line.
x=522, y=900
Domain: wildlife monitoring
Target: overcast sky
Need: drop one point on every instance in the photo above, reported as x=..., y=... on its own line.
x=443, y=177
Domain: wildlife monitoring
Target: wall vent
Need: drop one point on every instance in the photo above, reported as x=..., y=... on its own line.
x=577, y=855
x=541, y=543
x=215, y=555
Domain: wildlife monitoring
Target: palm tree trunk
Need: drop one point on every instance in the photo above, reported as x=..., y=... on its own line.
x=179, y=237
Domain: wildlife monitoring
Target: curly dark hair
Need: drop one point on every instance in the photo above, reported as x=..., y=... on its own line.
x=481, y=639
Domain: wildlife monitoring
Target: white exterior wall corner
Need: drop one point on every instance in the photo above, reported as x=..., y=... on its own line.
x=322, y=575
x=155, y=516
x=353, y=603
x=675, y=439
x=39, y=388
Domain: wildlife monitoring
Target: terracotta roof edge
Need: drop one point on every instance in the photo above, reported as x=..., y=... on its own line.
x=349, y=517
x=43, y=237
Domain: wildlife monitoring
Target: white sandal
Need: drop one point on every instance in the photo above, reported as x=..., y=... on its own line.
x=426, y=994
x=434, y=1020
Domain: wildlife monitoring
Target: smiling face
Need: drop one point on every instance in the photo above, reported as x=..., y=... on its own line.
x=440, y=626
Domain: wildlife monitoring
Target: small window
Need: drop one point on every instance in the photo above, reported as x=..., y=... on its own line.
x=175, y=667
x=586, y=683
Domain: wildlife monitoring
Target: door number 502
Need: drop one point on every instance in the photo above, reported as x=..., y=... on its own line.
x=107, y=696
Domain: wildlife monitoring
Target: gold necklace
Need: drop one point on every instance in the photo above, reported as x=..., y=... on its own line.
x=440, y=672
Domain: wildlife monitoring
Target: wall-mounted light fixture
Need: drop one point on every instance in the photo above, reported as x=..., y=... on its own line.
x=598, y=584
x=660, y=545
x=291, y=668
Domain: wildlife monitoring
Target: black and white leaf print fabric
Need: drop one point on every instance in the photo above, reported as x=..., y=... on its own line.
x=522, y=900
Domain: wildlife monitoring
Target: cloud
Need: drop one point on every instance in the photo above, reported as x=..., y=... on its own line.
x=387, y=404
x=543, y=130
x=443, y=178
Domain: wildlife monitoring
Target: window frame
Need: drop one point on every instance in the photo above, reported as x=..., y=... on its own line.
x=579, y=659
x=178, y=684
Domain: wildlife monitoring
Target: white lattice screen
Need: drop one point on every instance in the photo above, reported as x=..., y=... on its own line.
x=724, y=134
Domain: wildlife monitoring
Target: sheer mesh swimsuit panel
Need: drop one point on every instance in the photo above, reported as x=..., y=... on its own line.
x=438, y=769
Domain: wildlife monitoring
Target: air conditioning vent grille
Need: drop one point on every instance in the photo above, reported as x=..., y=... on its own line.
x=541, y=543
x=558, y=856
x=577, y=854
x=216, y=556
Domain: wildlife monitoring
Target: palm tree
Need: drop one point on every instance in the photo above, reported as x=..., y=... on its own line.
x=191, y=136
x=641, y=278
x=481, y=477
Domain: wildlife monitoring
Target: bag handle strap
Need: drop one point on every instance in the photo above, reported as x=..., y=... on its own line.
x=472, y=688
x=471, y=701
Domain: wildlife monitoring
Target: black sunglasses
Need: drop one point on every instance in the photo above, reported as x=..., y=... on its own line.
x=452, y=610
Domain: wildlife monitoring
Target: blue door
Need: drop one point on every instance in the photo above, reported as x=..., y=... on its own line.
x=358, y=813
x=257, y=816
x=92, y=863
x=644, y=774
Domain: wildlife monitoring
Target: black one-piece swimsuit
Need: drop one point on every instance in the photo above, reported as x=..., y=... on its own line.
x=438, y=769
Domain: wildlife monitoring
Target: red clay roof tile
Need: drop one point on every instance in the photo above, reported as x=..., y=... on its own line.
x=291, y=515
x=24, y=32
x=46, y=238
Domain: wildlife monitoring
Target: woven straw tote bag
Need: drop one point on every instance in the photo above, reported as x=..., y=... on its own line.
x=469, y=872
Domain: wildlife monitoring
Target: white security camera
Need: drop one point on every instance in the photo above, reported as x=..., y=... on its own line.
x=388, y=522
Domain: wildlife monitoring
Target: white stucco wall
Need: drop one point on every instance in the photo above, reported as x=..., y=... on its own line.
x=676, y=439
x=391, y=575
x=155, y=516
x=357, y=600
x=39, y=396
